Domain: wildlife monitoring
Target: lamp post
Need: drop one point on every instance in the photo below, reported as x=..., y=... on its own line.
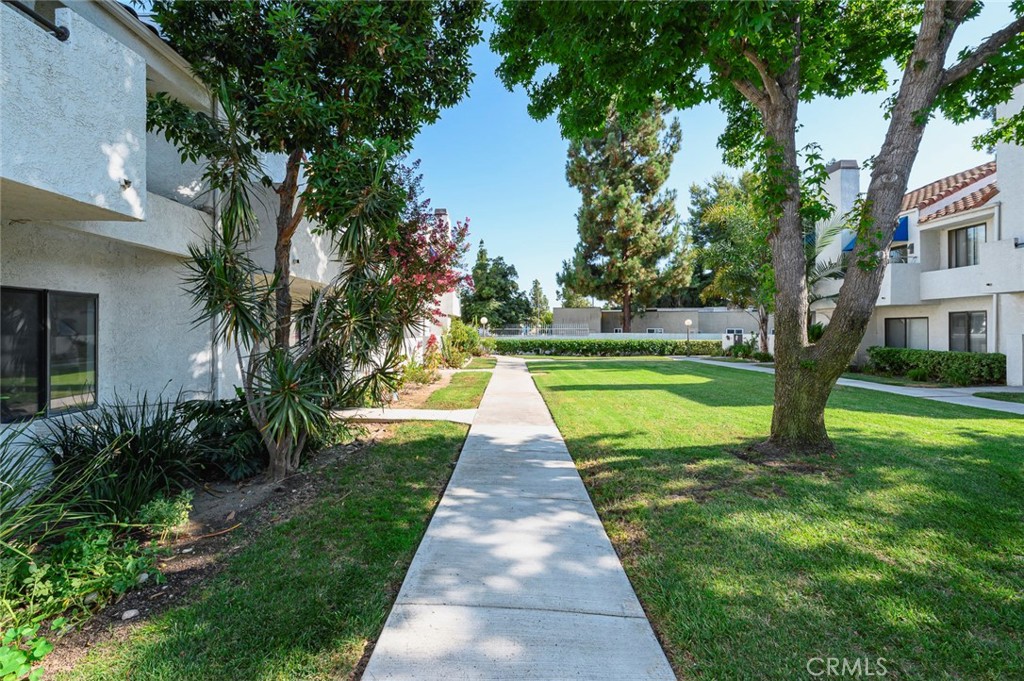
x=483, y=323
x=689, y=323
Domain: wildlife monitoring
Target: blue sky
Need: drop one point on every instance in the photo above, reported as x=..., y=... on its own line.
x=486, y=159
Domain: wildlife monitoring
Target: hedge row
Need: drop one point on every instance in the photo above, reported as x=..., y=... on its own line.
x=959, y=368
x=586, y=347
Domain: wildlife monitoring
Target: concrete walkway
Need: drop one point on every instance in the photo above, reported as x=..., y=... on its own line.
x=515, y=577
x=384, y=415
x=959, y=396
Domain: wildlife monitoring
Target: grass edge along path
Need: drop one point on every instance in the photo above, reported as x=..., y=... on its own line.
x=481, y=363
x=306, y=597
x=1002, y=397
x=906, y=546
x=464, y=391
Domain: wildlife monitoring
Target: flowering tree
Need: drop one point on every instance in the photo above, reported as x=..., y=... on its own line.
x=427, y=254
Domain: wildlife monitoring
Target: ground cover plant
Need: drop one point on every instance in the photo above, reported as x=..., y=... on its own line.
x=465, y=391
x=303, y=600
x=905, y=545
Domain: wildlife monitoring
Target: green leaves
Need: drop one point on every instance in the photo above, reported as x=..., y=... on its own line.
x=627, y=223
x=290, y=393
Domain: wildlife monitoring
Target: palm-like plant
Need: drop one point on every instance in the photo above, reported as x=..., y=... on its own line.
x=350, y=330
x=818, y=237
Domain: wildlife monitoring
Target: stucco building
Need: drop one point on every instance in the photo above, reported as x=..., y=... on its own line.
x=96, y=215
x=955, y=274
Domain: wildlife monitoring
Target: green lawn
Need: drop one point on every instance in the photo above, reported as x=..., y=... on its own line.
x=1005, y=397
x=908, y=545
x=304, y=599
x=464, y=392
x=482, y=363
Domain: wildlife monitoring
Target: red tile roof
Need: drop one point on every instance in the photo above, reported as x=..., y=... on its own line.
x=975, y=199
x=925, y=196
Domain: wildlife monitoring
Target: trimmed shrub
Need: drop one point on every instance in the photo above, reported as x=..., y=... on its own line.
x=958, y=368
x=594, y=347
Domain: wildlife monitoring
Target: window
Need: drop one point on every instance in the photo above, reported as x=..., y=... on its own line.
x=617, y=330
x=968, y=331
x=655, y=330
x=906, y=332
x=47, y=352
x=964, y=244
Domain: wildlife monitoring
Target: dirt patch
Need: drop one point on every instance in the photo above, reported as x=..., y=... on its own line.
x=224, y=520
x=414, y=395
x=786, y=460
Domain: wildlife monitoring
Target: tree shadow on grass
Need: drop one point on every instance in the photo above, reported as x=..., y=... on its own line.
x=722, y=387
x=909, y=551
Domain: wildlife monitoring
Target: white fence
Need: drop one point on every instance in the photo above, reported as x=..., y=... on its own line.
x=555, y=331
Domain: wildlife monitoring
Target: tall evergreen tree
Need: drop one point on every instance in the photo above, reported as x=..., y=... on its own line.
x=539, y=307
x=569, y=296
x=759, y=62
x=628, y=226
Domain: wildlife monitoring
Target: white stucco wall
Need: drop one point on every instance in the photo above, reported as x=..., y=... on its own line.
x=1011, y=335
x=81, y=101
x=146, y=341
x=169, y=227
x=1010, y=173
x=168, y=177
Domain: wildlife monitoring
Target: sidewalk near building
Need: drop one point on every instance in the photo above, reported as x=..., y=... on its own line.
x=515, y=577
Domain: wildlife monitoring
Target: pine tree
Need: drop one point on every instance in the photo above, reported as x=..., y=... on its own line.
x=539, y=307
x=628, y=227
x=569, y=296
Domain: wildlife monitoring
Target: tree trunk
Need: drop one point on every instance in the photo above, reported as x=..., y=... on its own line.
x=806, y=375
x=798, y=421
x=762, y=327
x=283, y=293
x=627, y=312
x=288, y=218
x=798, y=416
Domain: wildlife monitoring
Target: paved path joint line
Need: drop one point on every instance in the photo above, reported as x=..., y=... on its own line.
x=515, y=577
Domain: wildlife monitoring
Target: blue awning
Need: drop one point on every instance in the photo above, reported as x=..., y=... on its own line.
x=902, y=229
x=850, y=242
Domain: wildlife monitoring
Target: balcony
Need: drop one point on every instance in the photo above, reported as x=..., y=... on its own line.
x=73, y=116
x=1001, y=270
x=901, y=284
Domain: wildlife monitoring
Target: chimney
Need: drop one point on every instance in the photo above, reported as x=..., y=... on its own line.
x=441, y=215
x=843, y=185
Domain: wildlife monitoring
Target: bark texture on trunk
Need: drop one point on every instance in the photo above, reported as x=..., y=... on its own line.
x=806, y=374
x=627, y=311
x=289, y=214
x=762, y=327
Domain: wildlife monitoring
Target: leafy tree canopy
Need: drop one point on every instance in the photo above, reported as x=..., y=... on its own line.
x=495, y=293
